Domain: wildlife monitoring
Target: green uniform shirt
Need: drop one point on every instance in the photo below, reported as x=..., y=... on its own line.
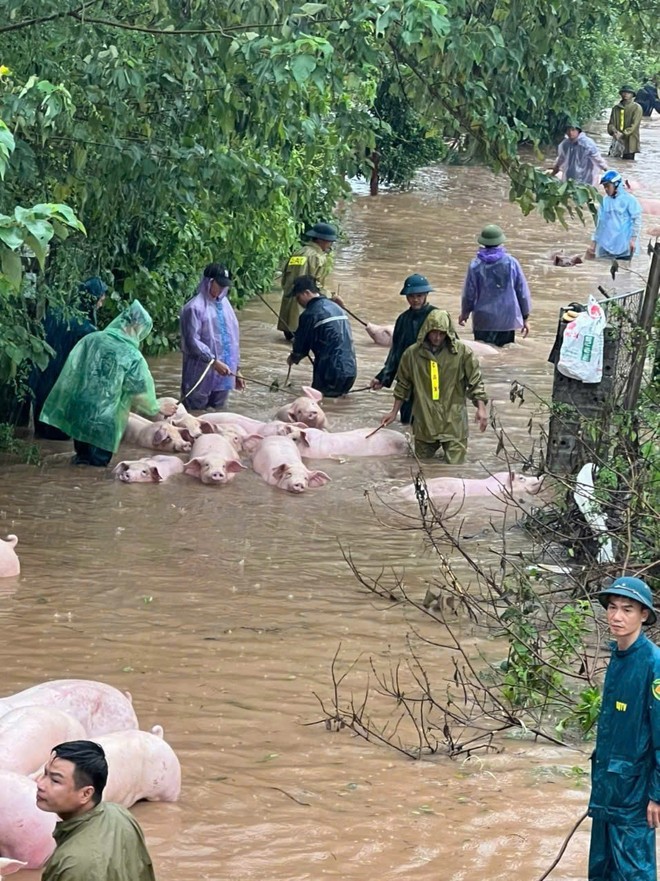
x=627, y=118
x=308, y=260
x=105, y=844
x=440, y=382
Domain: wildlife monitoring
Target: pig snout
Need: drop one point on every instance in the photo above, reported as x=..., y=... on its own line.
x=216, y=475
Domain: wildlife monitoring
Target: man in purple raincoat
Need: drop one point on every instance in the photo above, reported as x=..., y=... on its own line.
x=209, y=335
x=495, y=292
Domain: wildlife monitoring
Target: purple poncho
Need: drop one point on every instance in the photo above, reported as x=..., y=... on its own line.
x=209, y=331
x=495, y=292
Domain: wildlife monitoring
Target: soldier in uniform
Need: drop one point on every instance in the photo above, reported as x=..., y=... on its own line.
x=311, y=259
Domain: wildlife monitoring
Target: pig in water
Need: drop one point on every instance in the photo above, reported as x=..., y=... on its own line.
x=504, y=484
x=100, y=708
x=9, y=562
x=381, y=334
x=26, y=832
x=141, y=765
x=315, y=444
x=28, y=734
x=248, y=425
x=156, y=435
x=561, y=259
x=150, y=470
x=305, y=409
x=7, y=867
x=277, y=460
x=214, y=460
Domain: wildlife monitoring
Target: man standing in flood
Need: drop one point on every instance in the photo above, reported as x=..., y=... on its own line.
x=311, y=259
x=625, y=770
x=95, y=840
x=625, y=120
x=578, y=157
x=495, y=292
x=619, y=224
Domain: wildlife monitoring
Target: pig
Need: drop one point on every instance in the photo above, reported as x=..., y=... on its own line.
x=503, y=484
x=481, y=349
x=277, y=460
x=9, y=563
x=154, y=469
x=381, y=334
x=157, y=435
x=655, y=232
x=214, y=460
x=316, y=444
x=7, y=867
x=100, y=708
x=561, y=259
x=305, y=409
x=26, y=832
x=253, y=426
x=28, y=734
x=141, y=765
x=235, y=434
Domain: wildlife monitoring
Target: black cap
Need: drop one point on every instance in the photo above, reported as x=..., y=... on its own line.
x=219, y=273
x=304, y=283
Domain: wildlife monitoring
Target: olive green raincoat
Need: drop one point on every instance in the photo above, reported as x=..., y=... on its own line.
x=104, y=377
x=627, y=118
x=441, y=382
x=308, y=260
x=104, y=844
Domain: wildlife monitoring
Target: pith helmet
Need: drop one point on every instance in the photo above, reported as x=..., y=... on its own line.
x=416, y=284
x=633, y=589
x=628, y=89
x=491, y=236
x=322, y=231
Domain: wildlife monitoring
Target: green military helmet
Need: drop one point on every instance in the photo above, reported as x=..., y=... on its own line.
x=632, y=589
x=416, y=284
x=323, y=231
x=491, y=236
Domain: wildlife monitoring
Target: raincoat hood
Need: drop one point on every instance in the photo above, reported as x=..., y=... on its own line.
x=133, y=324
x=438, y=319
x=491, y=255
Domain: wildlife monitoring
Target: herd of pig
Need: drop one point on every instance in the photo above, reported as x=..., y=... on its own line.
x=141, y=765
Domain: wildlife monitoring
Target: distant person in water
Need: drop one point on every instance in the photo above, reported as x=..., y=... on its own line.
x=578, y=157
x=495, y=292
x=625, y=119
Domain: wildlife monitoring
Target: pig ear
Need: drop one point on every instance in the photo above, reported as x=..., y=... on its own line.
x=207, y=427
x=120, y=468
x=303, y=437
x=7, y=866
x=291, y=413
x=160, y=436
x=193, y=467
x=312, y=393
x=279, y=472
x=186, y=435
x=235, y=466
x=155, y=474
x=251, y=442
x=318, y=478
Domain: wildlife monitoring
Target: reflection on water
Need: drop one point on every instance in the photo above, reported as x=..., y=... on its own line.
x=221, y=609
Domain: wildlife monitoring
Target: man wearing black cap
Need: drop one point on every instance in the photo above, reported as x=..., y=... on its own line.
x=311, y=259
x=416, y=289
x=323, y=329
x=625, y=119
x=625, y=771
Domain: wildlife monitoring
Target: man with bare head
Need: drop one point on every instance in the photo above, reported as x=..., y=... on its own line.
x=96, y=841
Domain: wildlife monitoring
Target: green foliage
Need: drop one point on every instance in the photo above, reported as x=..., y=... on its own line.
x=10, y=444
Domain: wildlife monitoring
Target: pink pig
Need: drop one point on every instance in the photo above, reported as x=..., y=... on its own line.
x=381, y=334
x=28, y=734
x=329, y=445
x=100, y=708
x=157, y=435
x=9, y=562
x=305, y=409
x=149, y=470
x=249, y=425
x=503, y=484
x=26, y=832
x=214, y=460
x=7, y=867
x=141, y=765
x=277, y=460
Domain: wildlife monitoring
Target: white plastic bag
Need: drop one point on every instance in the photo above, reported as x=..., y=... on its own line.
x=581, y=355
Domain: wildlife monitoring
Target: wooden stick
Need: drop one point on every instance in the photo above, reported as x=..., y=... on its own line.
x=372, y=433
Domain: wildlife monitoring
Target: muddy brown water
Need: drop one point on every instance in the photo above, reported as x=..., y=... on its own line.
x=220, y=610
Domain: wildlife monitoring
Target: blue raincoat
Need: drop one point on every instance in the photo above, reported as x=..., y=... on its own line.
x=625, y=771
x=325, y=330
x=619, y=222
x=495, y=292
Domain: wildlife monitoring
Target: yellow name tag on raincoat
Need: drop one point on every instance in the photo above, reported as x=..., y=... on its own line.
x=435, y=381
x=297, y=261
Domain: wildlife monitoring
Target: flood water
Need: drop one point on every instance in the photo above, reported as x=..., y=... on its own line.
x=221, y=609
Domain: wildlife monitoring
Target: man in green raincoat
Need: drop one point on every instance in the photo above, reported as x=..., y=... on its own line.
x=104, y=377
x=624, y=123
x=95, y=840
x=625, y=766
x=311, y=259
x=440, y=372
